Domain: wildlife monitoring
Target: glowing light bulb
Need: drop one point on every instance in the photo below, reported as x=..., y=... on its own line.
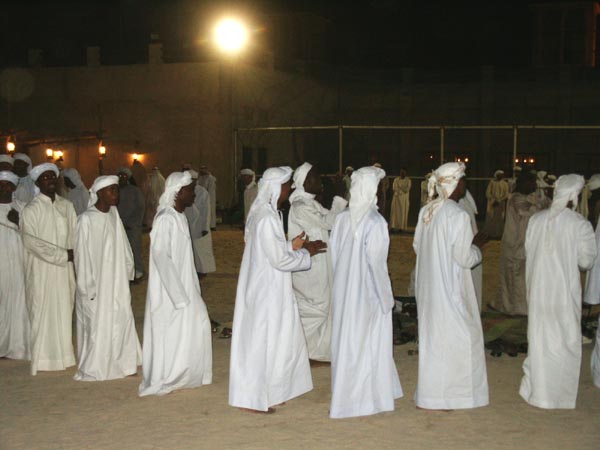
x=230, y=35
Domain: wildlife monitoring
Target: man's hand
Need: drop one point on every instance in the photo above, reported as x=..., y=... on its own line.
x=70, y=255
x=204, y=233
x=315, y=247
x=13, y=216
x=298, y=241
x=480, y=239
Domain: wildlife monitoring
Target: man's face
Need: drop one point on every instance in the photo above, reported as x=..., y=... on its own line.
x=20, y=168
x=402, y=173
x=313, y=183
x=47, y=183
x=499, y=176
x=461, y=188
x=246, y=179
x=109, y=195
x=285, y=193
x=123, y=179
x=6, y=166
x=187, y=195
x=6, y=190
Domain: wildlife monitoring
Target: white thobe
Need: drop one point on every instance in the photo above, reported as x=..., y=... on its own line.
x=48, y=231
x=107, y=343
x=14, y=320
x=364, y=378
x=25, y=190
x=269, y=360
x=312, y=287
x=209, y=182
x=250, y=194
x=477, y=271
x=79, y=196
x=177, y=350
x=554, y=249
x=592, y=297
x=400, y=203
x=198, y=216
x=347, y=182
x=452, y=370
x=497, y=194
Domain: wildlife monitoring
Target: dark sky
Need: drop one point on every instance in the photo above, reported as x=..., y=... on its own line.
x=376, y=34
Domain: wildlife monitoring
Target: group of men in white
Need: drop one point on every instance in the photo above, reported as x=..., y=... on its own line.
x=323, y=294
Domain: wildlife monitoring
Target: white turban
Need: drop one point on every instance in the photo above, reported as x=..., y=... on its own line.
x=23, y=157
x=498, y=172
x=126, y=171
x=193, y=174
x=7, y=159
x=379, y=166
x=247, y=172
x=517, y=168
x=173, y=185
x=13, y=178
x=443, y=181
x=74, y=176
x=101, y=183
x=41, y=168
x=594, y=182
x=349, y=168
x=566, y=189
x=363, y=192
x=299, y=178
x=551, y=177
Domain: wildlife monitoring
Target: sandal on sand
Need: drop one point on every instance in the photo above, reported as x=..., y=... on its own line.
x=226, y=333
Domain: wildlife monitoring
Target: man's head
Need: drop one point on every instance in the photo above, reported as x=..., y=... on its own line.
x=313, y=183
x=22, y=164
x=460, y=190
x=285, y=193
x=6, y=162
x=179, y=192
x=185, y=197
x=104, y=193
x=349, y=170
x=498, y=175
x=45, y=177
x=247, y=176
x=526, y=183
x=403, y=173
x=203, y=170
x=109, y=195
x=8, y=185
x=124, y=175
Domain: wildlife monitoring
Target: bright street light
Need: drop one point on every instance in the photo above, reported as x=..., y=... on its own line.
x=230, y=35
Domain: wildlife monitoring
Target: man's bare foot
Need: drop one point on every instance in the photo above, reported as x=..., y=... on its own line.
x=256, y=411
x=315, y=363
x=435, y=410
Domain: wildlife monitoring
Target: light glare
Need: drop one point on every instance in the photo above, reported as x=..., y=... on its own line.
x=231, y=35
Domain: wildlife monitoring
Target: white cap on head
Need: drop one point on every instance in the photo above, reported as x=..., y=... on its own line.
x=517, y=168
x=101, y=183
x=443, y=180
x=247, y=172
x=41, y=168
x=363, y=192
x=299, y=178
x=379, y=166
x=566, y=189
x=74, y=176
x=173, y=185
x=193, y=174
x=349, y=168
x=126, y=171
x=25, y=158
x=498, y=172
x=594, y=182
x=7, y=159
x=11, y=177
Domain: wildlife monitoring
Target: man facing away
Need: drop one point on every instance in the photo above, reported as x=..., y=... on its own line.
x=48, y=231
x=364, y=379
x=107, y=343
x=177, y=352
x=558, y=243
x=26, y=188
x=400, y=202
x=496, y=194
x=452, y=370
x=77, y=192
x=592, y=297
x=312, y=287
x=209, y=182
x=269, y=360
x=14, y=320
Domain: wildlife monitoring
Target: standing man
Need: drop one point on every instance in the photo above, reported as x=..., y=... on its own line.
x=523, y=203
x=209, y=182
x=26, y=188
x=348, y=180
x=452, y=371
x=312, y=287
x=400, y=202
x=364, y=379
x=269, y=361
x=497, y=194
x=558, y=243
x=177, y=350
x=14, y=321
x=77, y=192
x=49, y=223
x=198, y=217
x=107, y=343
x=250, y=191
x=467, y=203
x=131, y=209
x=156, y=186
x=592, y=297
x=425, y=190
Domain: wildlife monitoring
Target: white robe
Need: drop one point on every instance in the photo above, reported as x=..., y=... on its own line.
x=452, y=369
x=592, y=297
x=250, y=194
x=50, y=281
x=209, y=182
x=497, y=194
x=269, y=360
x=477, y=271
x=312, y=287
x=400, y=203
x=364, y=378
x=554, y=250
x=79, y=196
x=107, y=342
x=14, y=320
x=177, y=350
x=198, y=216
x=25, y=190
x=424, y=192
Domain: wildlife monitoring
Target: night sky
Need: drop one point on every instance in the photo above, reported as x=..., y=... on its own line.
x=376, y=34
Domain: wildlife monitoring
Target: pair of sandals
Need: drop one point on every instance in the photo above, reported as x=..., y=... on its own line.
x=225, y=332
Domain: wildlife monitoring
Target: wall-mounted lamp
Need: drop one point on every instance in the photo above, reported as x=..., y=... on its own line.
x=136, y=157
x=101, y=151
x=49, y=154
x=10, y=145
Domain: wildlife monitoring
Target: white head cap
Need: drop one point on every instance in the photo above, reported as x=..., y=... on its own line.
x=23, y=157
x=299, y=178
x=74, y=176
x=41, y=168
x=7, y=159
x=126, y=171
x=443, y=181
x=566, y=189
x=594, y=182
x=363, y=192
x=101, y=183
x=247, y=172
x=498, y=172
x=13, y=178
x=173, y=185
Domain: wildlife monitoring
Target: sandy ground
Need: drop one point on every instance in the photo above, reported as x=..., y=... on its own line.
x=51, y=410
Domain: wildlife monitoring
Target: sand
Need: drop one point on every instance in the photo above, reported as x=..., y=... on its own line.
x=51, y=411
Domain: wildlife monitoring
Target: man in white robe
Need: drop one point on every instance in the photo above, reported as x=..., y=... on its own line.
x=592, y=297
x=558, y=243
x=425, y=190
x=312, y=287
x=364, y=378
x=512, y=183
x=452, y=369
x=107, y=343
x=14, y=320
x=586, y=194
x=198, y=216
x=209, y=182
x=26, y=188
x=496, y=194
x=269, y=360
x=250, y=191
x=400, y=202
x=131, y=210
x=347, y=179
x=468, y=204
x=77, y=193
x=156, y=186
x=48, y=232
x=177, y=351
